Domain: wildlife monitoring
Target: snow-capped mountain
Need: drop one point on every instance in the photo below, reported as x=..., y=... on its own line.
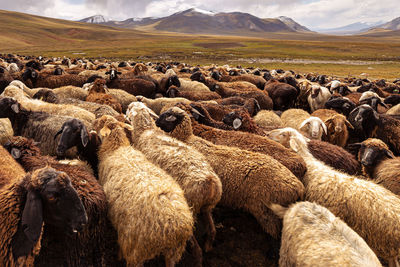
x=96, y=19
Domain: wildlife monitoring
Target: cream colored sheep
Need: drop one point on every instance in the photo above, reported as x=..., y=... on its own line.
x=146, y=206
x=310, y=127
x=313, y=236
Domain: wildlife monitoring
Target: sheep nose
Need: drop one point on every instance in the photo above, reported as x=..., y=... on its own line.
x=338, y=129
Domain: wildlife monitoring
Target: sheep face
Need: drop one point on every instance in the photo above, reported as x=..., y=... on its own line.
x=73, y=132
x=216, y=75
x=372, y=151
x=173, y=80
x=9, y=107
x=58, y=71
x=362, y=117
x=113, y=74
x=46, y=95
x=313, y=128
x=340, y=105
x=30, y=73
x=233, y=119
x=284, y=135
x=373, y=101
x=198, y=76
x=169, y=120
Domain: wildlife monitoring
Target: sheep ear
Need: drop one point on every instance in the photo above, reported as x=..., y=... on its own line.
x=324, y=128
x=29, y=228
x=258, y=108
x=105, y=131
x=389, y=154
x=170, y=118
x=119, y=73
x=383, y=104
x=84, y=136
x=58, y=133
x=32, y=216
x=196, y=114
x=294, y=144
x=237, y=123
x=15, y=153
x=15, y=108
x=108, y=72
x=376, y=116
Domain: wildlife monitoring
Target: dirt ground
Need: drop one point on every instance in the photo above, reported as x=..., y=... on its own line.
x=240, y=242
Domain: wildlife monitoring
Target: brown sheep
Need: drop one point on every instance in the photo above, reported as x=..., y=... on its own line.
x=246, y=141
x=248, y=179
x=98, y=94
x=330, y=154
x=262, y=97
x=282, y=94
x=256, y=80
x=173, y=91
x=336, y=125
x=241, y=120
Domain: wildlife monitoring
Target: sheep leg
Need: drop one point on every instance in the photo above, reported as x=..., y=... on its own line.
x=393, y=262
x=169, y=262
x=211, y=232
x=197, y=253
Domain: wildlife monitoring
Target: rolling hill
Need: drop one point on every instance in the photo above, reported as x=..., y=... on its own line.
x=392, y=25
x=199, y=21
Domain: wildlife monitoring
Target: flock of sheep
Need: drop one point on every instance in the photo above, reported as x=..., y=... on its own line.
x=116, y=163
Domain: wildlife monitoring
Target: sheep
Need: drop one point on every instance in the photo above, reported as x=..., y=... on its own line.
x=98, y=110
x=311, y=127
x=10, y=170
x=187, y=85
x=267, y=118
x=336, y=124
x=395, y=110
x=146, y=206
x=379, y=163
x=134, y=86
x=330, y=154
x=6, y=130
x=173, y=91
x=246, y=176
x=283, y=95
x=45, y=196
x=96, y=244
x=241, y=120
x=56, y=109
x=98, y=94
x=187, y=166
x=13, y=67
x=5, y=79
x=264, y=101
x=40, y=126
x=313, y=236
x=256, y=80
x=242, y=140
x=368, y=123
x=341, y=105
x=361, y=204
x=318, y=97
x=122, y=97
x=55, y=81
x=159, y=103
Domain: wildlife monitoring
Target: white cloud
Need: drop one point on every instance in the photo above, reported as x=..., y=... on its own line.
x=311, y=13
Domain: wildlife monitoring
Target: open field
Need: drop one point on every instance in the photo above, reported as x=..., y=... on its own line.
x=33, y=35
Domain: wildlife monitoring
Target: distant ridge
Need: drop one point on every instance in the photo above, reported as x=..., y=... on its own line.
x=195, y=20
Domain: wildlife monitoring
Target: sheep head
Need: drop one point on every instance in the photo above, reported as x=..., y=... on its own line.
x=73, y=133
x=313, y=128
x=50, y=198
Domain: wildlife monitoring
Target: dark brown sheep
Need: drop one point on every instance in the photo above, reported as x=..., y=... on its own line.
x=282, y=94
x=97, y=243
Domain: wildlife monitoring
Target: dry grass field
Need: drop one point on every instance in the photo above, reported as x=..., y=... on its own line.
x=377, y=55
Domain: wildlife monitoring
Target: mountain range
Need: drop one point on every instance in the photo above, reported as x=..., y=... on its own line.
x=197, y=21
x=200, y=21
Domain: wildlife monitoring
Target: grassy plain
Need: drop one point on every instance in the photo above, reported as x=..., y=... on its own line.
x=378, y=56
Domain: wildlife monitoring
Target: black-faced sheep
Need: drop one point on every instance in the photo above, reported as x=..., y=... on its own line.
x=45, y=196
x=96, y=245
x=246, y=176
x=368, y=123
x=146, y=206
x=313, y=236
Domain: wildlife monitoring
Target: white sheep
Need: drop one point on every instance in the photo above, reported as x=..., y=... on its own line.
x=313, y=236
x=318, y=97
x=311, y=127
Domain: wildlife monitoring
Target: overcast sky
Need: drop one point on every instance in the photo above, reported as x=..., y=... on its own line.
x=315, y=14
